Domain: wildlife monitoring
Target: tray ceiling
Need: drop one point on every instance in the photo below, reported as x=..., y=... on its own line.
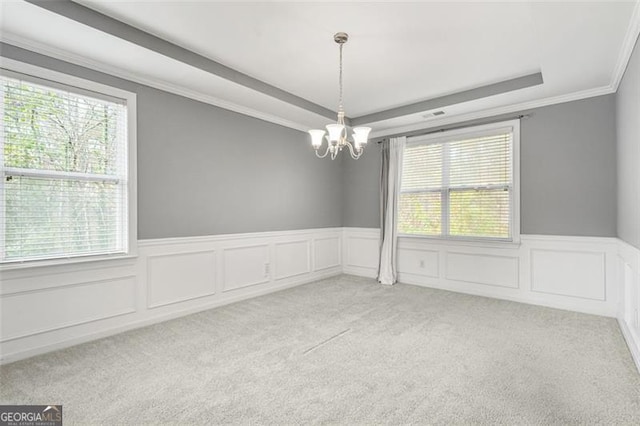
x=398, y=53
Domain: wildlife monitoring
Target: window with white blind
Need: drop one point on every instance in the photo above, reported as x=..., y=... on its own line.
x=461, y=184
x=65, y=156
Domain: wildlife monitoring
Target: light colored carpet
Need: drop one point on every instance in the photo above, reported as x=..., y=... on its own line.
x=345, y=350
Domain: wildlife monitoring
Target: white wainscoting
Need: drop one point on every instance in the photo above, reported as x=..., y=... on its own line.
x=293, y=258
x=573, y=273
x=245, y=266
x=361, y=249
x=176, y=277
x=325, y=255
x=50, y=307
x=629, y=306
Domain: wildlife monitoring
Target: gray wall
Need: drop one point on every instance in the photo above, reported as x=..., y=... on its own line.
x=203, y=170
x=567, y=171
x=628, y=132
x=361, y=191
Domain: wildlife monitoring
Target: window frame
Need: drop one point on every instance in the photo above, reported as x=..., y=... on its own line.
x=470, y=132
x=10, y=68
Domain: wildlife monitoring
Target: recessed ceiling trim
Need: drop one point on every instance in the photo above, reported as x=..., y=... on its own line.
x=177, y=87
x=106, y=24
x=493, y=112
x=452, y=99
x=10, y=41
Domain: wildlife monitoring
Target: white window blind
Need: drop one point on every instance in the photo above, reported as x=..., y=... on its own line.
x=63, y=164
x=458, y=186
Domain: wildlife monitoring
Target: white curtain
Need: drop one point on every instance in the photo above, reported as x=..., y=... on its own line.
x=392, y=151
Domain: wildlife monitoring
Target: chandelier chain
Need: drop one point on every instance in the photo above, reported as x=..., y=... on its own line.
x=340, y=107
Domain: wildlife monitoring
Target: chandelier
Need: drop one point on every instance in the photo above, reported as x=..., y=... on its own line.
x=337, y=137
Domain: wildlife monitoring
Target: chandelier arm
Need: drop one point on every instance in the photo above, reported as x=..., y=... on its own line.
x=355, y=154
x=325, y=153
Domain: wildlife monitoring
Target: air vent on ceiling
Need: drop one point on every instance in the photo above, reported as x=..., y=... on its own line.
x=433, y=114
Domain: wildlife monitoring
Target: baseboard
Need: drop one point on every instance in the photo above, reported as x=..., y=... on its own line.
x=515, y=296
x=215, y=271
x=563, y=272
x=169, y=278
x=593, y=275
x=360, y=271
x=633, y=343
x=629, y=306
x=17, y=356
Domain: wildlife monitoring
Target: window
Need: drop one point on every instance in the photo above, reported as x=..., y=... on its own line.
x=65, y=154
x=460, y=184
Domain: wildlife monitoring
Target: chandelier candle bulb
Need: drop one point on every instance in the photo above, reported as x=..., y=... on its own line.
x=335, y=132
x=337, y=137
x=360, y=135
x=316, y=138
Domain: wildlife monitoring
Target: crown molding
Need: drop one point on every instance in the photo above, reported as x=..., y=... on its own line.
x=469, y=95
x=631, y=36
x=74, y=59
x=106, y=24
x=630, y=39
x=493, y=112
x=629, y=42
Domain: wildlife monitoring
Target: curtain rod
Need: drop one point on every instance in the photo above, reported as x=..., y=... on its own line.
x=473, y=124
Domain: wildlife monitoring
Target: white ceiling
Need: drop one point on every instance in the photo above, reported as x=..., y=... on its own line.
x=398, y=53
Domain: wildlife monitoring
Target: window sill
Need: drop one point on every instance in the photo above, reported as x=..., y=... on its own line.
x=70, y=262
x=462, y=242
